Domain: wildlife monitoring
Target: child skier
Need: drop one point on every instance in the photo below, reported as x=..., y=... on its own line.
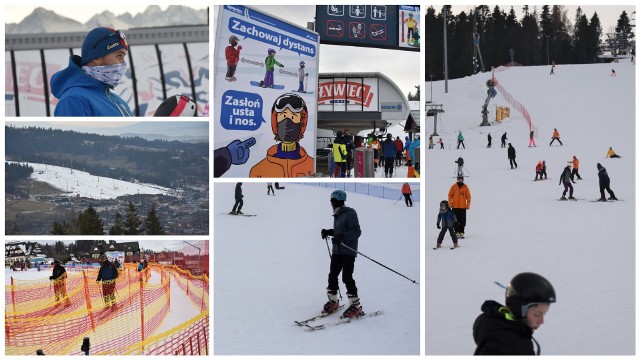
x=449, y=220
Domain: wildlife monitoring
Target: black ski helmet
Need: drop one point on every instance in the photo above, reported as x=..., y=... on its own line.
x=527, y=289
x=233, y=39
x=445, y=203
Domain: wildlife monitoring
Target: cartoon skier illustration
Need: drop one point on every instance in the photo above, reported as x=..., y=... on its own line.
x=301, y=77
x=232, y=54
x=289, y=116
x=269, y=62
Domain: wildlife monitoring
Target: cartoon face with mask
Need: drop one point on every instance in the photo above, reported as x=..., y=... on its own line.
x=289, y=116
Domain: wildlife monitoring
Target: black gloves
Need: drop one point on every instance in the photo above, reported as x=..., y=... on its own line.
x=338, y=239
x=438, y=225
x=51, y=277
x=326, y=233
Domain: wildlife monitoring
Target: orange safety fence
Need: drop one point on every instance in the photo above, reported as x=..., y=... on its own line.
x=114, y=317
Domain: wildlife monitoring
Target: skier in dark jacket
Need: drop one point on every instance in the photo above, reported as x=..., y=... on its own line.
x=238, y=205
x=460, y=163
x=59, y=277
x=503, y=140
x=108, y=275
x=508, y=330
x=489, y=140
x=511, y=154
x=603, y=179
x=449, y=221
x=345, y=232
x=389, y=152
x=566, y=180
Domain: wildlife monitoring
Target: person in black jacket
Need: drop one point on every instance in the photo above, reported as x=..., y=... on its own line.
x=108, y=275
x=603, y=179
x=346, y=232
x=59, y=277
x=503, y=140
x=238, y=205
x=508, y=330
x=511, y=154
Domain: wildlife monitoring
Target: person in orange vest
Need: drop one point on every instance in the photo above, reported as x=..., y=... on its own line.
x=575, y=163
x=375, y=145
x=555, y=136
x=406, y=191
x=460, y=201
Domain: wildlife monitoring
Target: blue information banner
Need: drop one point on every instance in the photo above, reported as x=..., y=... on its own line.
x=380, y=26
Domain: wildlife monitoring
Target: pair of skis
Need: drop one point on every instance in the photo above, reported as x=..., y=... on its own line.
x=306, y=323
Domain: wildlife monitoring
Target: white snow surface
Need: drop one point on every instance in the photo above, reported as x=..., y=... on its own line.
x=272, y=269
x=586, y=249
x=86, y=185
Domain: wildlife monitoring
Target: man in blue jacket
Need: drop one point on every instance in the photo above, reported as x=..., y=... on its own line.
x=108, y=275
x=85, y=87
x=346, y=231
x=389, y=153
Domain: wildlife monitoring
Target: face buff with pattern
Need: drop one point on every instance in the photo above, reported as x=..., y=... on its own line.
x=108, y=74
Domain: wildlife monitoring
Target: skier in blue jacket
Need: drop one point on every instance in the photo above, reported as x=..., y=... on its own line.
x=85, y=87
x=448, y=219
x=346, y=230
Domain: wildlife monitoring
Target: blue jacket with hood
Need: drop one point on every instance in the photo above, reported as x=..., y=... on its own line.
x=82, y=95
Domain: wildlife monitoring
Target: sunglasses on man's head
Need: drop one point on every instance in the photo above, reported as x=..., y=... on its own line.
x=119, y=34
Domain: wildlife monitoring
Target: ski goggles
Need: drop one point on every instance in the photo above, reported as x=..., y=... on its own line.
x=121, y=38
x=289, y=101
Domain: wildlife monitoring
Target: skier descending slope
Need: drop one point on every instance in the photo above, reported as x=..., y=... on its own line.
x=508, y=330
x=346, y=229
x=566, y=180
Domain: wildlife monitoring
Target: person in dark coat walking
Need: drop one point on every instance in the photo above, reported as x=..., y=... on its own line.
x=59, y=277
x=389, y=152
x=511, y=154
x=238, y=205
x=566, y=180
x=108, y=275
x=449, y=221
x=489, y=140
x=508, y=330
x=503, y=140
x=603, y=179
x=346, y=230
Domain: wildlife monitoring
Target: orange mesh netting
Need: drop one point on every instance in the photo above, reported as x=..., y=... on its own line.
x=119, y=316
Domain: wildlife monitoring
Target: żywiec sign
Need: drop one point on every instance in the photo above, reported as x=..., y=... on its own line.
x=342, y=91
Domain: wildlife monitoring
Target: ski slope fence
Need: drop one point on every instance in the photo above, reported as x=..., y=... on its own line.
x=55, y=316
x=384, y=192
x=513, y=101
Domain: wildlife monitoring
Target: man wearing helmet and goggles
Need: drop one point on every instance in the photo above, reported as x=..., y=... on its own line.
x=232, y=54
x=289, y=116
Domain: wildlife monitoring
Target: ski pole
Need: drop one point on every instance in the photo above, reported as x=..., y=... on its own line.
x=327, y=241
x=398, y=200
x=465, y=169
x=497, y=283
x=384, y=266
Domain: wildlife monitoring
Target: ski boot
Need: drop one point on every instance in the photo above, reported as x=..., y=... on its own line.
x=239, y=212
x=613, y=198
x=455, y=245
x=333, y=303
x=602, y=199
x=461, y=236
x=232, y=212
x=571, y=197
x=438, y=246
x=563, y=198
x=355, y=309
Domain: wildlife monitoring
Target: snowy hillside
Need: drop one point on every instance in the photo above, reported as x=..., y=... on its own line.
x=586, y=249
x=272, y=269
x=75, y=182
